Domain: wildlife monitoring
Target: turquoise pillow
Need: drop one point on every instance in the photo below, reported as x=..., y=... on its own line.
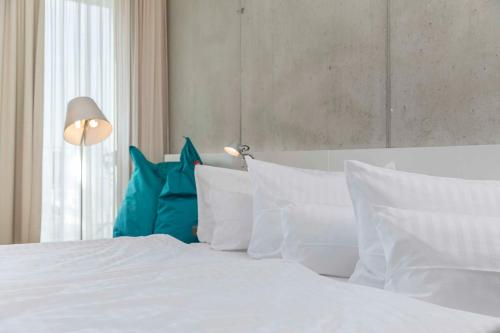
x=177, y=205
x=137, y=212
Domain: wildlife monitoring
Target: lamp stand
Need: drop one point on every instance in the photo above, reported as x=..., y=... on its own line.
x=81, y=191
x=83, y=116
x=244, y=151
x=85, y=124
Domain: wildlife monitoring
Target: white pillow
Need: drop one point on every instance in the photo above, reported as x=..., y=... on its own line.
x=212, y=178
x=277, y=186
x=233, y=219
x=370, y=186
x=450, y=260
x=323, y=238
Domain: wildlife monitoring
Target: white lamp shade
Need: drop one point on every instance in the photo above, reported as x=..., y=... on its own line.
x=85, y=123
x=232, y=150
x=238, y=150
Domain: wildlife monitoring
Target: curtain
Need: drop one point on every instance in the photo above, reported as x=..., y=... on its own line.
x=21, y=119
x=150, y=78
x=143, y=58
x=114, y=51
x=142, y=82
x=79, y=61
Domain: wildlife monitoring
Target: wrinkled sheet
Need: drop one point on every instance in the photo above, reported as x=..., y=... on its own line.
x=158, y=284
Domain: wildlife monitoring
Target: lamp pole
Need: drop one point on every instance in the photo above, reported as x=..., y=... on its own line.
x=85, y=124
x=81, y=192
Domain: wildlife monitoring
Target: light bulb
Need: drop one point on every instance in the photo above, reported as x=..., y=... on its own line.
x=232, y=151
x=93, y=123
x=78, y=124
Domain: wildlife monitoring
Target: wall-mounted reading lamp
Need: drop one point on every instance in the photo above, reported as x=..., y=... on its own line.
x=238, y=150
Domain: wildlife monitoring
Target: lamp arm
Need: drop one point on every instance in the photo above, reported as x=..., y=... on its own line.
x=247, y=154
x=245, y=151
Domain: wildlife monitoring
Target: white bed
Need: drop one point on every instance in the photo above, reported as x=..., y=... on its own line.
x=158, y=284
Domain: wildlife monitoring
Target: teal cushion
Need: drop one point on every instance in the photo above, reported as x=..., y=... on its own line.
x=177, y=205
x=137, y=212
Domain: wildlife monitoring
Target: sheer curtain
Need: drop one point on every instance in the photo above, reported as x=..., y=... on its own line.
x=114, y=51
x=79, y=61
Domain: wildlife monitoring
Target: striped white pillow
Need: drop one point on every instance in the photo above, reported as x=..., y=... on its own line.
x=323, y=238
x=447, y=259
x=276, y=187
x=370, y=186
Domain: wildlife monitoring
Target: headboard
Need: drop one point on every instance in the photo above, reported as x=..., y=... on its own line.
x=470, y=162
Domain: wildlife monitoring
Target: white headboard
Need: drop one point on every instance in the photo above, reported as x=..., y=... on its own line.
x=470, y=162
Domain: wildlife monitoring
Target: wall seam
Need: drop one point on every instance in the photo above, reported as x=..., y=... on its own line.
x=241, y=12
x=388, y=83
x=169, y=99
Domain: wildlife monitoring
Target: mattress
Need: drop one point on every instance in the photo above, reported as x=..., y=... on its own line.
x=158, y=284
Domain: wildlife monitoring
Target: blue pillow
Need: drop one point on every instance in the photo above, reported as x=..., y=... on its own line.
x=137, y=212
x=177, y=205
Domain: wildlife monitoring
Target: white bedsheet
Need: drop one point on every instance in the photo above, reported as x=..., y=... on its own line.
x=157, y=284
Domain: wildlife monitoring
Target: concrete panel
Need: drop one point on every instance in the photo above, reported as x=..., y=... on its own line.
x=445, y=72
x=313, y=74
x=204, y=73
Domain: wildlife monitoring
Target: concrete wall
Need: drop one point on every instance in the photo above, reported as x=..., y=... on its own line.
x=445, y=67
x=204, y=72
x=325, y=74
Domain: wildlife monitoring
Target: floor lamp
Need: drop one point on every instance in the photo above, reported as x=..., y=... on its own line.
x=85, y=125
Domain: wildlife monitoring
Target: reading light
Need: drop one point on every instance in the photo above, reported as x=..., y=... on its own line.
x=238, y=150
x=232, y=151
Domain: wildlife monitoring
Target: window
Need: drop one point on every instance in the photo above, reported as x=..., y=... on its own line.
x=79, y=61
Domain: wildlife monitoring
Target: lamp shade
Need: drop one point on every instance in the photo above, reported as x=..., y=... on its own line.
x=238, y=150
x=85, y=123
x=233, y=149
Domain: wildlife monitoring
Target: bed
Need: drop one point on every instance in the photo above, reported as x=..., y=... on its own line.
x=159, y=284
